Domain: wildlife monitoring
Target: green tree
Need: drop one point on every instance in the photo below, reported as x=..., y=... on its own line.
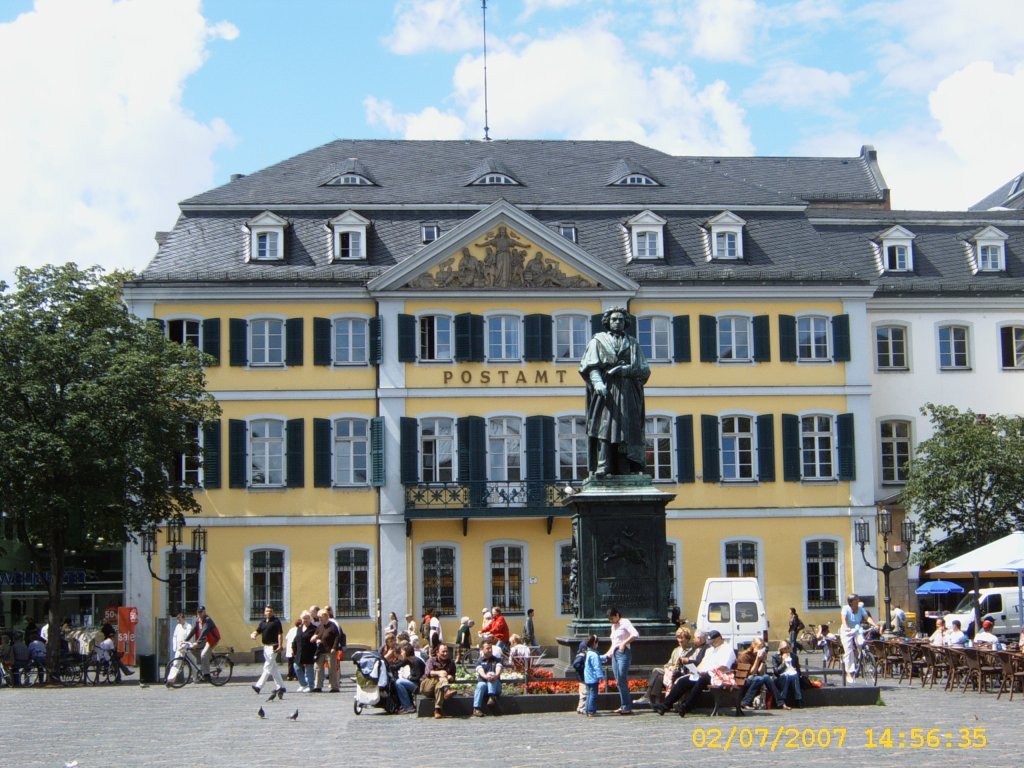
x=95, y=406
x=966, y=481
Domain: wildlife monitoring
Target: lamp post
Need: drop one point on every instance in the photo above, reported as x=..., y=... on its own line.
x=862, y=534
x=175, y=528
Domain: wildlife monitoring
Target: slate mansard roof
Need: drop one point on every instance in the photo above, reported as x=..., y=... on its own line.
x=789, y=235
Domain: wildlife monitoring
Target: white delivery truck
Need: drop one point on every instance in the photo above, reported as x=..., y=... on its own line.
x=735, y=608
x=1000, y=604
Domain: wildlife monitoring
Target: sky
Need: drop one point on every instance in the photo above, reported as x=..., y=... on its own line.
x=116, y=110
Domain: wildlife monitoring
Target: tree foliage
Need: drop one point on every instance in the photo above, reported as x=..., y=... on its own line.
x=966, y=481
x=95, y=406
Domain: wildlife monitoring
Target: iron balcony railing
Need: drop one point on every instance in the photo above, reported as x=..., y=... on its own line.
x=489, y=495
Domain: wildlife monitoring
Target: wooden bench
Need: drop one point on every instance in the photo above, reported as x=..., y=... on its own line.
x=723, y=693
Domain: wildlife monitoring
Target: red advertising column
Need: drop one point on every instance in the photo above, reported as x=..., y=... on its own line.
x=127, y=618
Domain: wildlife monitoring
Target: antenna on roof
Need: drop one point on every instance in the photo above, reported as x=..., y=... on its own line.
x=487, y=128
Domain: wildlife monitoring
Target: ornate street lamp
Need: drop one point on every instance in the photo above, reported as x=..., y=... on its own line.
x=862, y=535
x=175, y=535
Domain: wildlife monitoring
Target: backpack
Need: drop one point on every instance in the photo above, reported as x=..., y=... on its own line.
x=580, y=664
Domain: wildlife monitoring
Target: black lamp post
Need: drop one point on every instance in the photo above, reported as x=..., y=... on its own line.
x=862, y=534
x=175, y=528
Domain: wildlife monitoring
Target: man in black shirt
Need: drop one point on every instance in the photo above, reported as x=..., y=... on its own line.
x=272, y=637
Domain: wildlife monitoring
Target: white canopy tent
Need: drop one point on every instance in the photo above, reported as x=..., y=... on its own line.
x=1005, y=555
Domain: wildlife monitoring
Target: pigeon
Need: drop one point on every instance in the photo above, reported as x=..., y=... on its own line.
x=272, y=696
x=261, y=714
x=280, y=693
x=294, y=715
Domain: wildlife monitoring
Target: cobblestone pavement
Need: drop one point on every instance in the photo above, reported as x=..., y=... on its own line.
x=130, y=725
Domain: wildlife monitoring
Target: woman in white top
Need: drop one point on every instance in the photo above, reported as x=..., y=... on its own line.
x=851, y=633
x=622, y=635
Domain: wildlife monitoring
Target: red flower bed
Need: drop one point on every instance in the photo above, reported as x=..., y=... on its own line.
x=542, y=681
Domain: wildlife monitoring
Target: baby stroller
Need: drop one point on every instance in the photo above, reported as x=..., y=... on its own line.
x=374, y=684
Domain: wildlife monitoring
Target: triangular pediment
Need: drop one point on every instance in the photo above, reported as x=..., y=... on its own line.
x=502, y=248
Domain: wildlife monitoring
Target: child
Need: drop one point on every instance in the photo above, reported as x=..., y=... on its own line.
x=593, y=674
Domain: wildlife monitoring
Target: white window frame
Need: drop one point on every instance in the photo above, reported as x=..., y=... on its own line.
x=568, y=231
x=730, y=353
x=247, y=596
x=496, y=180
x=185, y=319
x=990, y=250
x=183, y=468
x=371, y=599
x=577, y=343
x=636, y=180
x=509, y=321
x=895, y=238
x=721, y=227
x=266, y=223
x=456, y=575
x=890, y=354
x=165, y=597
x=660, y=472
x=251, y=452
x=647, y=224
x=578, y=442
x=661, y=325
x=817, y=435
x=559, y=591
x=350, y=180
x=434, y=334
x=266, y=349
x=840, y=566
x=435, y=439
x=814, y=357
x=429, y=232
x=758, y=563
x=514, y=461
x=894, y=443
x=352, y=441
x=952, y=328
x=525, y=576
x=353, y=360
x=348, y=223
x=1017, y=330
x=737, y=476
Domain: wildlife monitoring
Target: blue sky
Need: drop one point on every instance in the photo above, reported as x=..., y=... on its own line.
x=125, y=107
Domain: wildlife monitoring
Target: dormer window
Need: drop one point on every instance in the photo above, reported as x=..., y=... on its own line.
x=990, y=250
x=568, y=231
x=494, y=180
x=726, y=236
x=351, y=172
x=266, y=237
x=429, y=233
x=636, y=180
x=646, y=231
x=897, y=250
x=349, y=179
x=349, y=237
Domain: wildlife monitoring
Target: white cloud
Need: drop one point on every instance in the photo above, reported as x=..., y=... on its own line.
x=793, y=85
x=921, y=42
x=546, y=88
x=424, y=25
x=430, y=123
x=530, y=7
x=723, y=30
x=99, y=149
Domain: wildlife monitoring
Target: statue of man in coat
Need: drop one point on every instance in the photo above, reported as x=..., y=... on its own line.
x=615, y=370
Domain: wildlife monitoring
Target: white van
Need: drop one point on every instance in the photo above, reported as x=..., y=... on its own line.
x=1000, y=604
x=735, y=608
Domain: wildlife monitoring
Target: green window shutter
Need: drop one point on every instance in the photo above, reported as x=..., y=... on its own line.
x=293, y=341
x=238, y=341
x=681, y=338
x=847, y=458
x=708, y=339
x=540, y=457
x=376, y=330
x=471, y=432
x=712, y=451
x=321, y=453
x=787, y=338
x=406, y=339
x=765, y=448
x=596, y=326
x=295, y=453
x=238, y=453
x=377, y=475
x=321, y=341
x=791, y=469
x=684, y=449
x=211, y=454
x=211, y=339
x=469, y=338
x=841, y=338
x=409, y=434
x=762, y=340
x=537, y=342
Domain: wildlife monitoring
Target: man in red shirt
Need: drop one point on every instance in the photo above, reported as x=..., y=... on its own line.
x=499, y=629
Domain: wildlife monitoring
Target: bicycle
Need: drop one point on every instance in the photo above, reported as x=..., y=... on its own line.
x=101, y=672
x=221, y=668
x=867, y=664
x=808, y=637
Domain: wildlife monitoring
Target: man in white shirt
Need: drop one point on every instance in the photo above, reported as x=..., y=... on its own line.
x=939, y=635
x=986, y=636
x=720, y=655
x=956, y=636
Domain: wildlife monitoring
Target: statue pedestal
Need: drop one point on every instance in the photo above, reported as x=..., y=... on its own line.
x=621, y=558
